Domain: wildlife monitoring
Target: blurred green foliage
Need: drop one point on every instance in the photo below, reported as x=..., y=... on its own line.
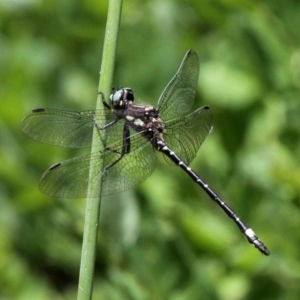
x=164, y=239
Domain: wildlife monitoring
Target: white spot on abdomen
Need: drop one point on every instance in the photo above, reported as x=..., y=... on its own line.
x=249, y=232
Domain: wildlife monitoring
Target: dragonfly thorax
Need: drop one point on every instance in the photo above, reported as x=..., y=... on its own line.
x=121, y=97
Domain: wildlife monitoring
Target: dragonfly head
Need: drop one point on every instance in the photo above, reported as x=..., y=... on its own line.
x=121, y=97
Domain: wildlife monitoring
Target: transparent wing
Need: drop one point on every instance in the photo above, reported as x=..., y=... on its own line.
x=65, y=128
x=185, y=135
x=70, y=178
x=132, y=169
x=178, y=96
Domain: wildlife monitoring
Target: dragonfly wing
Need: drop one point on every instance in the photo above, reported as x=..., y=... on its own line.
x=132, y=169
x=64, y=128
x=178, y=96
x=70, y=178
x=185, y=135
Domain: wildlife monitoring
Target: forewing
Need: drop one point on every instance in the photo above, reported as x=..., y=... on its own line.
x=64, y=128
x=70, y=178
x=185, y=135
x=178, y=96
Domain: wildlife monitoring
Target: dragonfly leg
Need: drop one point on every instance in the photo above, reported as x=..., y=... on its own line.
x=125, y=150
x=103, y=100
x=104, y=126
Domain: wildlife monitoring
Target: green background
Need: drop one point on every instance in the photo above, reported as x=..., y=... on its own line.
x=164, y=239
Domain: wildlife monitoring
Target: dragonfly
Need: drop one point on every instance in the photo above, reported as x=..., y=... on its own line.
x=130, y=136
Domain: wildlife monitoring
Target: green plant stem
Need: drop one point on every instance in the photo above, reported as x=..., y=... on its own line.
x=93, y=204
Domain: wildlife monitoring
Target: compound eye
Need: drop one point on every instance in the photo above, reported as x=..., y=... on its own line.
x=121, y=96
x=116, y=97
